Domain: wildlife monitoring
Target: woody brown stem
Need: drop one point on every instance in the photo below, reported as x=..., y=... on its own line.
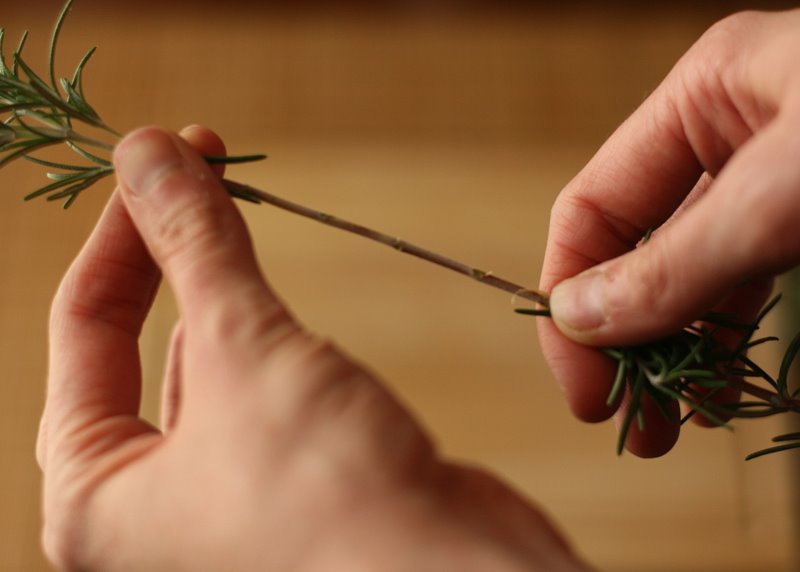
x=765, y=395
x=246, y=191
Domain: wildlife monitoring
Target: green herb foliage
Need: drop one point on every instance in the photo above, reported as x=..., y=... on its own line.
x=692, y=366
x=45, y=112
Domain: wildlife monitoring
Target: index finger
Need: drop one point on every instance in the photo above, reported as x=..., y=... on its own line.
x=635, y=181
x=96, y=318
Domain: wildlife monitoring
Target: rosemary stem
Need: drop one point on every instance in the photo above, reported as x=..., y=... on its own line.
x=396, y=243
x=752, y=389
x=76, y=137
x=109, y=129
x=764, y=394
x=67, y=134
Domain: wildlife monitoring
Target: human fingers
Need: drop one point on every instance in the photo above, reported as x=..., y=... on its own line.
x=704, y=110
x=234, y=328
x=96, y=318
x=91, y=426
x=742, y=229
x=728, y=86
x=109, y=287
x=635, y=180
x=717, y=104
x=659, y=433
x=206, y=143
x=742, y=306
x=199, y=239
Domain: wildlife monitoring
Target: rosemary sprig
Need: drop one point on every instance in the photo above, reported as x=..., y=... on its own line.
x=45, y=113
x=689, y=367
x=42, y=114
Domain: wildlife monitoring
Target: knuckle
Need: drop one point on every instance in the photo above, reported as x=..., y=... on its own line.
x=189, y=223
x=309, y=365
x=190, y=230
x=649, y=285
x=323, y=394
x=268, y=323
x=729, y=30
x=756, y=250
x=722, y=43
x=101, y=291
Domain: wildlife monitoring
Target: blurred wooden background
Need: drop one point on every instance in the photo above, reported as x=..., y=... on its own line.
x=453, y=125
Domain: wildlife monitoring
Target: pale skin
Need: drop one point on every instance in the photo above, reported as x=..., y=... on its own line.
x=712, y=155
x=277, y=451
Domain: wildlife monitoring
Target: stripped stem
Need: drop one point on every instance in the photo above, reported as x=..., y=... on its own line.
x=398, y=244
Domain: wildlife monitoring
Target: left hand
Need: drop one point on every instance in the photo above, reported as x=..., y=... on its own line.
x=279, y=452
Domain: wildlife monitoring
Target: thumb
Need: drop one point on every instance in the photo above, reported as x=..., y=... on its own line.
x=743, y=229
x=195, y=234
x=650, y=292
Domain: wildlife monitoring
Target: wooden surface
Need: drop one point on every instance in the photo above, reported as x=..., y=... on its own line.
x=451, y=128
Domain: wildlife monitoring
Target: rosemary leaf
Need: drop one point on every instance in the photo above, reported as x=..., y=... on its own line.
x=76, y=100
x=17, y=54
x=786, y=364
x=77, y=77
x=4, y=71
x=233, y=159
x=29, y=147
x=53, y=43
x=54, y=165
x=533, y=312
x=87, y=155
x=772, y=450
x=619, y=382
x=633, y=407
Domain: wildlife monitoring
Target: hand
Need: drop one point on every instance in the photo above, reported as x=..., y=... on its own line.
x=712, y=159
x=278, y=451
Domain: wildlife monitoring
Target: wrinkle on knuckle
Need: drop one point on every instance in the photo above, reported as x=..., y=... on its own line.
x=117, y=312
x=311, y=362
x=568, y=253
x=251, y=319
x=584, y=230
x=303, y=371
x=107, y=292
x=190, y=231
x=724, y=40
x=188, y=222
x=625, y=233
x=707, y=66
x=351, y=420
x=731, y=27
x=646, y=284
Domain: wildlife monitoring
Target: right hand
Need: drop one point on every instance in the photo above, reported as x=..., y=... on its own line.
x=712, y=160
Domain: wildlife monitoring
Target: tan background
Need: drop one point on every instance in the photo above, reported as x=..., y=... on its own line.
x=454, y=126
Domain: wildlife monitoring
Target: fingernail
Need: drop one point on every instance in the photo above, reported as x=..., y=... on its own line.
x=144, y=157
x=578, y=303
x=188, y=129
